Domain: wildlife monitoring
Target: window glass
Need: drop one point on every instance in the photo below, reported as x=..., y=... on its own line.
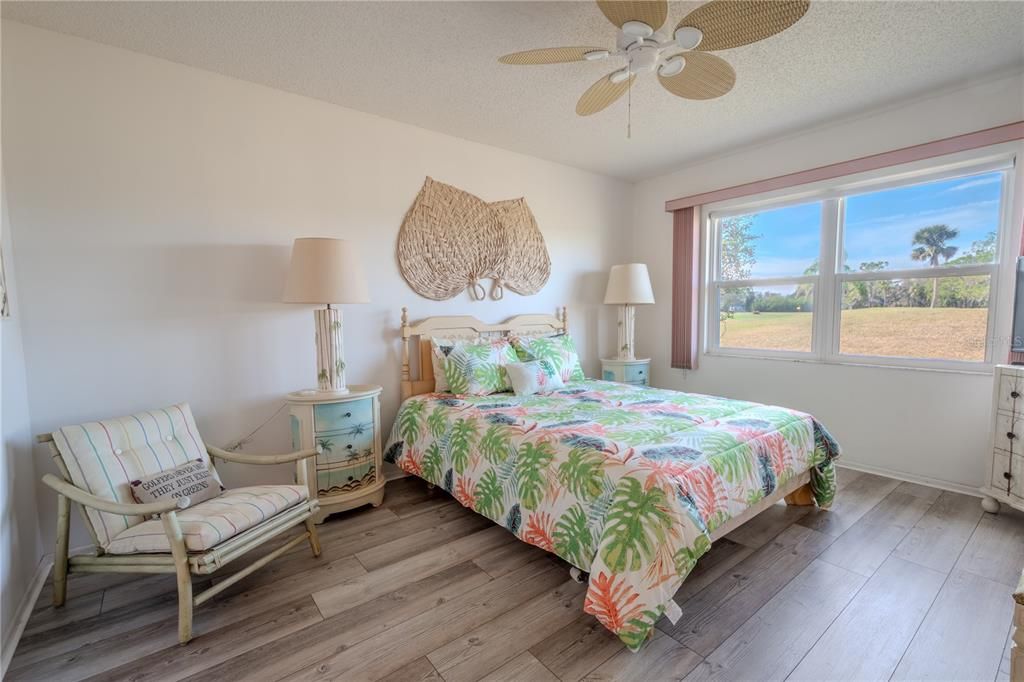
x=766, y=318
x=932, y=224
x=782, y=242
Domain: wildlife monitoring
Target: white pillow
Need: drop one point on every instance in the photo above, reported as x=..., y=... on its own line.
x=536, y=376
x=440, y=348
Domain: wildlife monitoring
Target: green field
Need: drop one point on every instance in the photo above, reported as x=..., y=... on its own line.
x=949, y=333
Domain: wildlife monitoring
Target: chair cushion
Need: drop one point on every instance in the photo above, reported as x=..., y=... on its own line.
x=104, y=457
x=210, y=523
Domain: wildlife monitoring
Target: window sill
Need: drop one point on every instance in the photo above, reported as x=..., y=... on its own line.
x=982, y=369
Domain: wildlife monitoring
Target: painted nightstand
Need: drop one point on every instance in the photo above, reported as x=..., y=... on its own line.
x=346, y=428
x=636, y=372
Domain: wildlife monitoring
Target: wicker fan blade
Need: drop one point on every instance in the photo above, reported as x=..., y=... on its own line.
x=731, y=23
x=651, y=12
x=602, y=94
x=705, y=76
x=548, y=55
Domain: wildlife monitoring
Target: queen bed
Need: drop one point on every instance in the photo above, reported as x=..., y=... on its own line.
x=629, y=484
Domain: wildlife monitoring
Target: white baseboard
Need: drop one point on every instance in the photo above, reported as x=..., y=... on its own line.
x=24, y=612
x=910, y=478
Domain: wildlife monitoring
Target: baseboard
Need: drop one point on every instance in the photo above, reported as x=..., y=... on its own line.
x=910, y=478
x=24, y=612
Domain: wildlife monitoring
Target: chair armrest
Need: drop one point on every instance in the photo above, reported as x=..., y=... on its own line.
x=1018, y=595
x=260, y=459
x=89, y=500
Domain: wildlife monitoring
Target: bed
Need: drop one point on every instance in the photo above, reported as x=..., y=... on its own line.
x=629, y=484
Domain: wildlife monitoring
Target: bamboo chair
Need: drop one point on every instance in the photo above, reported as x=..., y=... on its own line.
x=177, y=559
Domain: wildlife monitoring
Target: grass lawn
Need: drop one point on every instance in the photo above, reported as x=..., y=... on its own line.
x=950, y=333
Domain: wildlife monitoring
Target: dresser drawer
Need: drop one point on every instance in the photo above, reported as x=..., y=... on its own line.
x=355, y=415
x=1009, y=386
x=1009, y=432
x=635, y=373
x=341, y=446
x=1001, y=466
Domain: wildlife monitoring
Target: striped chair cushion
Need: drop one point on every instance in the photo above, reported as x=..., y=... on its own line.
x=104, y=457
x=212, y=522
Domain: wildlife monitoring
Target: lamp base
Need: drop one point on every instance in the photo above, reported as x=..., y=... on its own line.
x=627, y=317
x=330, y=351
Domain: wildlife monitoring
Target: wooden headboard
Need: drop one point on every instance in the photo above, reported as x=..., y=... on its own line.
x=463, y=327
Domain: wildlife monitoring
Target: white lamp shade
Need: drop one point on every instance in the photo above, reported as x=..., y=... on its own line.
x=629, y=284
x=325, y=271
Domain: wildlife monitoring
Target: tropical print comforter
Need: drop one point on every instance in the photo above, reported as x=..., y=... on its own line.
x=621, y=481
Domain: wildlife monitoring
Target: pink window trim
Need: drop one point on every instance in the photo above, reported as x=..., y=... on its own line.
x=686, y=218
x=928, y=150
x=685, y=286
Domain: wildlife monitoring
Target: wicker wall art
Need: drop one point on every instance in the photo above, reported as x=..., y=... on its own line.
x=451, y=240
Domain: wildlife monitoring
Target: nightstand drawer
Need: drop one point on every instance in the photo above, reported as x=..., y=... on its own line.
x=346, y=416
x=635, y=373
x=1009, y=430
x=340, y=480
x=341, y=446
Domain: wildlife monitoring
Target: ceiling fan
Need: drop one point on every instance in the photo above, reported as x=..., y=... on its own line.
x=682, y=60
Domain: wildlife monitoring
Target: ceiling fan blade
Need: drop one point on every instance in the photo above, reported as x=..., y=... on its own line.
x=651, y=12
x=549, y=55
x=705, y=76
x=602, y=94
x=732, y=23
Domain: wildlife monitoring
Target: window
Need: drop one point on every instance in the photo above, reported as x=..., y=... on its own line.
x=901, y=273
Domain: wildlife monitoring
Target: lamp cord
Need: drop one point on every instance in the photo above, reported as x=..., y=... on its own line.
x=244, y=440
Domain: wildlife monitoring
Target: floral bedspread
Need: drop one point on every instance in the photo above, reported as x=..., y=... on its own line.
x=624, y=482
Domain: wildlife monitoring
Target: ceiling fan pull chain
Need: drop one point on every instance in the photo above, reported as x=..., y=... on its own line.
x=629, y=102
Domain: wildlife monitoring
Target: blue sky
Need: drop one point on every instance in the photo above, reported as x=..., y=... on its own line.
x=879, y=225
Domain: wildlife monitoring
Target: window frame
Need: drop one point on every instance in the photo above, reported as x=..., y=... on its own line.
x=829, y=282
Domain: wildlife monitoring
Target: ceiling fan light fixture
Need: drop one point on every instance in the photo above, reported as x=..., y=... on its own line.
x=637, y=29
x=673, y=66
x=688, y=37
x=596, y=55
x=619, y=76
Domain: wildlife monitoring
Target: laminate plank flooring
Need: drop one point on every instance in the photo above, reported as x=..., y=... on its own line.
x=423, y=589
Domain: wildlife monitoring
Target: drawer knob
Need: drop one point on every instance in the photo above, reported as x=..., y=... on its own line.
x=348, y=414
x=1011, y=435
x=1007, y=475
x=349, y=446
x=350, y=478
x=1014, y=394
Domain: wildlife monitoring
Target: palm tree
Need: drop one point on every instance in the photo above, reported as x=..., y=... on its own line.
x=931, y=246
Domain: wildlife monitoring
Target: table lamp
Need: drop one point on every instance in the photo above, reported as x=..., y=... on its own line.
x=629, y=285
x=326, y=271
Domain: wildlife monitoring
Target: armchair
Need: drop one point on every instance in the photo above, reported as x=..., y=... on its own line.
x=98, y=460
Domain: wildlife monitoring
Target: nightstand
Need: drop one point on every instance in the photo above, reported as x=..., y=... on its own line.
x=636, y=372
x=346, y=428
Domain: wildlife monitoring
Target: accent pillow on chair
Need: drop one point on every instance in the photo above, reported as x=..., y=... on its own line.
x=559, y=350
x=193, y=480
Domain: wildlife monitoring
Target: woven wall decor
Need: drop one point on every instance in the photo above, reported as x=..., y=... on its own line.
x=451, y=240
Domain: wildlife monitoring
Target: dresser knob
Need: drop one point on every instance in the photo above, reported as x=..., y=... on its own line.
x=349, y=446
x=350, y=478
x=1014, y=394
x=1011, y=435
x=349, y=414
x=1007, y=475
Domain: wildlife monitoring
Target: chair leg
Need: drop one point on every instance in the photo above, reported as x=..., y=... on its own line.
x=314, y=538
x=177, y=541
x=60, y=557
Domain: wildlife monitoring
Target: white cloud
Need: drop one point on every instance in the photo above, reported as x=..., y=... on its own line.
x=977, y=182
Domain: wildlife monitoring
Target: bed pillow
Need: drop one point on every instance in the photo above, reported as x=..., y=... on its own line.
x=439, y=350
x=193, y=480
x=559, y=350
x=537, y=376
x=478, y=368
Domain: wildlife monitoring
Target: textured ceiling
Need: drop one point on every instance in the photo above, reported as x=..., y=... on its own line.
x=434, y=65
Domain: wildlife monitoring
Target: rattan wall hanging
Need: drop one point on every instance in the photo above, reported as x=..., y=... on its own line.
x=451, y=240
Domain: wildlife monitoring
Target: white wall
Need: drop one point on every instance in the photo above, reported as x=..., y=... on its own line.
x=20, y=546
x=922, y=424
x=153, y=206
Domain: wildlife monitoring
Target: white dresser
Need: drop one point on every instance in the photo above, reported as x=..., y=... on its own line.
x=1005, y=480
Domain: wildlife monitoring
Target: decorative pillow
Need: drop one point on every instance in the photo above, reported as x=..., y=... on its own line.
x=537, y=376
x=193, y=480
x=439, y=350
x=478, y=368
x=558, y=350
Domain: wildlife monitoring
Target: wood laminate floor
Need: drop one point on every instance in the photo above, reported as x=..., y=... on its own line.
x=897, y=581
